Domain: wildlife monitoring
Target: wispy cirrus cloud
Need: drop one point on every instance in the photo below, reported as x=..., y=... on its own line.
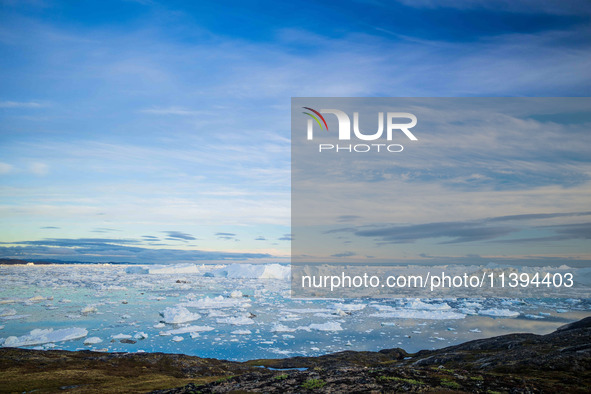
x=226, y=236
x=22, y=104
x=179, y=235
x=171, y=111
x=475, y=230
x=113, y=250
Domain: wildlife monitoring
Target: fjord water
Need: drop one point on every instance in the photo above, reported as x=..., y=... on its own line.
x=241, y=312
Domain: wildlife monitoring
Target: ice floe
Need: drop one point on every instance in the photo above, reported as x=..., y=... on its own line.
x=328, y=326
x=241, y=332
x=498, y=312
x=178, y=314
x=253, y=271
x=92, y=341
x=40, y=336
x=121, y=336
x=187, y=329
x=217, y=302
x=236, y=320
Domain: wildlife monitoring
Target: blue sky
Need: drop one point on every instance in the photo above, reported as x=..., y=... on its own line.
x=159, y=131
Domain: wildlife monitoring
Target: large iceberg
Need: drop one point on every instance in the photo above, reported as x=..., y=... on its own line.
x=49, y=335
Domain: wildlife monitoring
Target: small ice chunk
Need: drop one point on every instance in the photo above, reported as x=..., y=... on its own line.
x=278, y=327
x=328, y=326
x=38, y=299
x=140, y=335
x=92, y=341
x=497, y=312
x=236, y=294
x=121, y=336
x=136, y=270
x=348, y=307
x=7, y=312
x=88, y=310
x=218, y=302
x=419, y=314
x=178, y=314
x=241, y=332
x=184, y=330
x=177, y=339
x=236, y=320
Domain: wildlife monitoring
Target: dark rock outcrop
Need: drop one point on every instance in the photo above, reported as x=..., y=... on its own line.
x=516, y=363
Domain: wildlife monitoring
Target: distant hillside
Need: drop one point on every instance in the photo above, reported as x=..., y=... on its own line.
x=7, y=261
x=13, y=262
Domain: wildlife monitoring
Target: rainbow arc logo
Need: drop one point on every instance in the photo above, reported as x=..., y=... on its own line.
x=315, y=118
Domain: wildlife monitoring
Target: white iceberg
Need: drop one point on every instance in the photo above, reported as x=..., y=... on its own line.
x=420, y=314
x=188, y=329
x=241, y=332
x=328, y=326
x=236, y=321
x=253, y=271
x=178, y=314
x=121, y=336
x=41, y=336
x=278, y=327
x=497, y=312
x=92, y=341
x=217, y=302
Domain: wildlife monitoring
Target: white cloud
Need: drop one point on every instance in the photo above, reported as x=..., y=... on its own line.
x=21, y=104
x=5, y=168
x=171, y=111
x=39, y=169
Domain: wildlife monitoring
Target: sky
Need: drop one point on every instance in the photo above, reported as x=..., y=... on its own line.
x=500, y=180
x=159, y=131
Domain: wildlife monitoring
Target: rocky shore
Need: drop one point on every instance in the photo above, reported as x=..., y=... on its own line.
x=516, y=363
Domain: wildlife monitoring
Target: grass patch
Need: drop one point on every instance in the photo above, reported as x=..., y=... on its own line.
x=476, y=378
x=312, y=384
x=402, y=380
x=450, y=384
x=89, y=381
x=281, y=377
